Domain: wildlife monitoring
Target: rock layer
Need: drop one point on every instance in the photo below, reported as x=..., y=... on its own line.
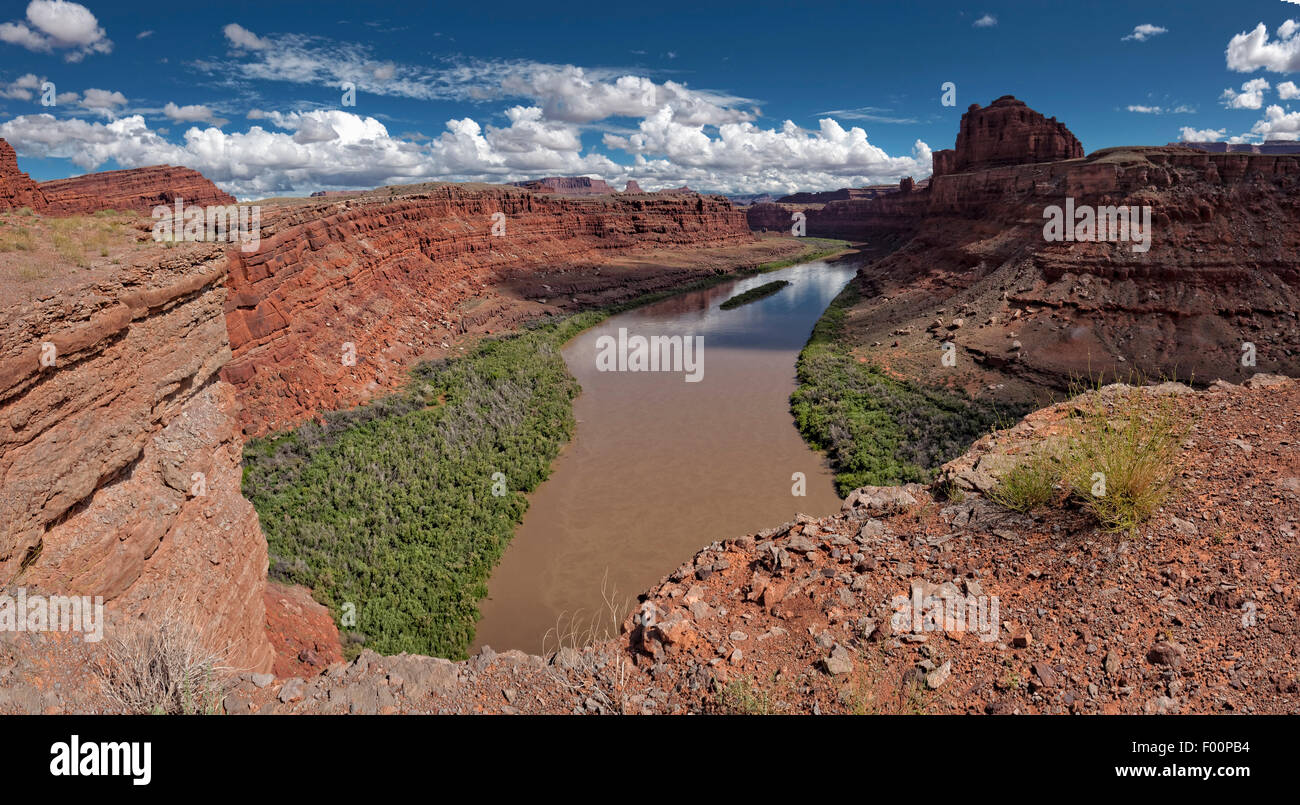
x=390, y=279
x=1006, y=132
x=120, y=452
x=568, y=186
x=138, y=189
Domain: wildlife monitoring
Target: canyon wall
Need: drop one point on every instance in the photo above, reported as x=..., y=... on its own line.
x=17, y=188
x=120, y=453
x=969, y=264
x=138, y=189
x=397, y=275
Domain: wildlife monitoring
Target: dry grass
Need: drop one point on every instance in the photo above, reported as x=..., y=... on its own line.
x=1116, y=463
x=163, y=667
x=578, y=630
x=1123, y=455
x=44, y=245
x=1031, y=484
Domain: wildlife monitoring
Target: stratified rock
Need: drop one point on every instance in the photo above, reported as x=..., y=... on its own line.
x=138, y=189
x=632, y=187
x=568, y=186
x=119, y=456
x=335, y=272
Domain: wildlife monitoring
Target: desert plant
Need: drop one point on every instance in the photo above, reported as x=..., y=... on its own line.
x=1030, y=484
x=163, y=667
x=743, y=698
x=1123, y=454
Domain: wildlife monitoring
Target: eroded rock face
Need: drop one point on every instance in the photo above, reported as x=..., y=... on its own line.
x=120, y=451
x=17, y=188
x=1006, y=132
x=138, y=189
x=401, y=277
x=632, y=187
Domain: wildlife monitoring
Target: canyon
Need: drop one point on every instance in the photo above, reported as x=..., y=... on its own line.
x=127, y=385
x=120, y=459
x=964, y=260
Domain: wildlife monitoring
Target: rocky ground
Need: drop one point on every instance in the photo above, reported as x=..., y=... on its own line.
x=1195, y=612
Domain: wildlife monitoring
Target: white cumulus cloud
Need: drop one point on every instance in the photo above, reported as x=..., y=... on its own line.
x=58, y=25
x=1250, y=97
x=1254, y=50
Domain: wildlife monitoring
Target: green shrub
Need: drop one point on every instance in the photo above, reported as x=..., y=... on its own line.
x=1030, y=484
x=754, y=294
x=390, y=506
x=877, y=430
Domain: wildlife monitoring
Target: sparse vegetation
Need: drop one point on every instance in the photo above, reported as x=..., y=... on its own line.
x=741, y=697
x=877, y=430
x=1030, y=484
x=162, y=667
x=754, y=294
x=1123, y=455
x=1116, y=463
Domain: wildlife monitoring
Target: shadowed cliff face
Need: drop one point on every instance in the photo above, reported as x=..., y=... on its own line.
x=968, y=263
x=393, y=278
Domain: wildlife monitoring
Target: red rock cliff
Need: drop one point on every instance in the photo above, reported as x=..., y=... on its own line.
x=17, y=188
x=119, y=463
x=399, y=276
x=1006, y=132
x=138, y=189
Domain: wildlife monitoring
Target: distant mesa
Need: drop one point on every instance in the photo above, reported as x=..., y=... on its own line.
x=843, y=194
x=676, y=191
x=138, y=189
x=568, y=186
x=1006, y=132
x=335, y=193
x=632, y=187
x=1266, y=147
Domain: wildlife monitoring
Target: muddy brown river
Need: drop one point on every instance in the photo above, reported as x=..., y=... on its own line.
x=661, y=465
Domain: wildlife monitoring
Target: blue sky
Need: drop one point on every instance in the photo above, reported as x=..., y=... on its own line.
x=744, y=97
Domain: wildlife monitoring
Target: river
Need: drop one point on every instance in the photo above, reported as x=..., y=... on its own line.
x=660, y=466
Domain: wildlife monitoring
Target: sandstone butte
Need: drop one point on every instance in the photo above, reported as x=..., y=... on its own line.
x=1006, y=132
x=159, y=358
x=17, y=188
